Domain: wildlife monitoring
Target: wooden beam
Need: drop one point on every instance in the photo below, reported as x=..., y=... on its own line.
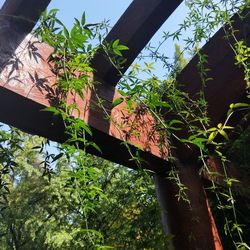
x=27, y=86
x=233, y=171
x=227, y=85
x=134, y=29
x=27, y=81
x=22, y=14
x=28, y=74
x=195, y=222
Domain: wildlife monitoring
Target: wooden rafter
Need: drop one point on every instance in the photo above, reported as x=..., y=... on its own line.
x=23, y=14
x=136, y=20
x=227, y=84
x=134, y=29
x=35, y=99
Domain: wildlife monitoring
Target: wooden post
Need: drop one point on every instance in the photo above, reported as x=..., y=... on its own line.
x=192, y=225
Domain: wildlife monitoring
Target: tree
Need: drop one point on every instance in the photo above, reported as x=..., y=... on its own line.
x=48, y=214
x=179, y=59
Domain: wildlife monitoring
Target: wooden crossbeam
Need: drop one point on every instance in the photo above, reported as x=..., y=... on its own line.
x=134, y=29
x=22, y=14
x=17, y=77
x=27, y=85
x=227, y=84
x=138, y=19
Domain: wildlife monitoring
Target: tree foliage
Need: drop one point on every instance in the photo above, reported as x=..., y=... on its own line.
x=49, y=214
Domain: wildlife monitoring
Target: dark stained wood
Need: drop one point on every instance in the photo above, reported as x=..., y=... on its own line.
x=134, y=29
x=29, y=75
x=27, y=81
x=191, y=224
x=26, y=114
x=234, y=171
x=23, y=14
x=227, y=85
x=26, y=87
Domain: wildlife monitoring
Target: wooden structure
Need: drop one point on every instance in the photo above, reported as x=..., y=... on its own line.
x=26, y=87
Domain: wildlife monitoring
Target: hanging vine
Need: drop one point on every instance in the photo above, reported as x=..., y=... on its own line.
x=73, y=51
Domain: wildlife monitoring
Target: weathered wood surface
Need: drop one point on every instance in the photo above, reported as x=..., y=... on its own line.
x=134, y=29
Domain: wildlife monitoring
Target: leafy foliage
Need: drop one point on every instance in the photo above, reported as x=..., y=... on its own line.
x=80, y=212
x=52, y=214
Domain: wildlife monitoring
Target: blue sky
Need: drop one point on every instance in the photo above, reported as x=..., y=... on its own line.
x=99, y=10
x=96, y=10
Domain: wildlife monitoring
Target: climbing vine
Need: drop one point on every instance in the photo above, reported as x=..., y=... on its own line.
x=204, y=18
x=162, y=98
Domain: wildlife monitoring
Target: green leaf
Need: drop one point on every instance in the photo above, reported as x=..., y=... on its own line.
x=66, y=32
x=223, y=133
x=211, y=129
x=59, y=22
x=122, y=47
x=129, y=103
x=117, y=52
x=123, y=93
x=175, y=122
x=57, y=157
x=199, y=142
x=117, y=101
x=54, y=110
x=219, y=125
x=230, y=181
x=117, y=48
x=83, y=19
x=212, y=136
x=115, y=43
x=77, y=22
x=94, y=145
x=87, y=128
x=239, y=105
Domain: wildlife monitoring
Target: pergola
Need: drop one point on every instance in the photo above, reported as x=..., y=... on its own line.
x=26, y=87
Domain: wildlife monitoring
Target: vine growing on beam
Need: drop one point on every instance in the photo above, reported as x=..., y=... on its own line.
x=178, y=116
